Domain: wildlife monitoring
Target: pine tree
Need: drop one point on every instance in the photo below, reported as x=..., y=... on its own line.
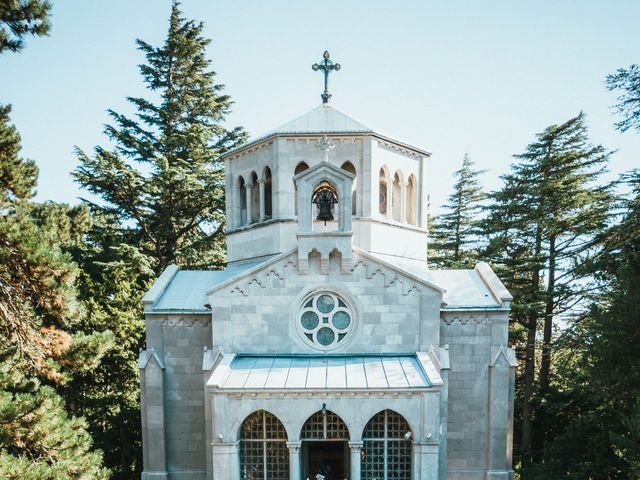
x=21, y=17
x=454, y=237
x=161, y=202
x=627, y=80
x=550, y=212
x=37, y=354
x=175, y=213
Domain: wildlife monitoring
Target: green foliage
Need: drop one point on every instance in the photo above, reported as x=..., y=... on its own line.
x=627, y=80
x=21, y=17
x=172, y=210
x=38, y=303
x=543, y=227
x=455, y=233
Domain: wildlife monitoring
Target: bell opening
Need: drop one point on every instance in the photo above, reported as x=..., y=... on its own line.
x=324, y=202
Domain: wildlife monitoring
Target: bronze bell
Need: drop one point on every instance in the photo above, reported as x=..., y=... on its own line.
x=324, y=199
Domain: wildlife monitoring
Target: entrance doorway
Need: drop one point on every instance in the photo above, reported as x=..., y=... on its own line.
x=329, y=458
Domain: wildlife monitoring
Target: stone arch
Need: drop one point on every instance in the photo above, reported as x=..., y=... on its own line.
x=255, y=198
x=349, y=167
x=387, y=446
x=383, y=192
x=324, y=425
x=242, y=201
x=268, y=192
x=396, y=196
x=411, y=204
x=262, y=447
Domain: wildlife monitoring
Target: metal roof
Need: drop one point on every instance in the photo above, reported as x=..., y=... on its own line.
x=186, y=290
x=321, y=372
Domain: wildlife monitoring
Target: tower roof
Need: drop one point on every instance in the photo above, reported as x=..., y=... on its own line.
x=323, y=119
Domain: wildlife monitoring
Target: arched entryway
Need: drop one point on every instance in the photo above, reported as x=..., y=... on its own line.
x=386, y=448
x=263, y=448
x=325, y=447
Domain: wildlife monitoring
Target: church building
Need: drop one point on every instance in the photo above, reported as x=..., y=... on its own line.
x=327, y=349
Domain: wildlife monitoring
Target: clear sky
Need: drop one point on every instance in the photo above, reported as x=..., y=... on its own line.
x=449, y=76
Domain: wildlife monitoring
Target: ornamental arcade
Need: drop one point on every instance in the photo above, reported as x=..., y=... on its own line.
x=327, y=348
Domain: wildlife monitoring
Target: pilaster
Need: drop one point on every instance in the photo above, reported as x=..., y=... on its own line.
x=153, y=415
x=356, y=455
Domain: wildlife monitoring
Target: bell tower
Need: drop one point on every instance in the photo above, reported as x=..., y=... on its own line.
x=322, y=183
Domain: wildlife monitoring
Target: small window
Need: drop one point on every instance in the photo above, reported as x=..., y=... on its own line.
x=382, y=193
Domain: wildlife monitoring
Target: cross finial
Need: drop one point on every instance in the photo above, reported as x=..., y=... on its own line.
x=326, y=66
x=326, y=145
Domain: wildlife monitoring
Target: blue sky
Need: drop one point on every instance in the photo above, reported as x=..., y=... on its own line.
x=451, y=77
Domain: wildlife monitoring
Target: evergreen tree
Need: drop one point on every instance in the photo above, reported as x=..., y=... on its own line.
x=21, y=17
x=175, y=213
x=37, y=355
x=161, y=201
x=627, y=80
x=549, y=213
x=454, y=233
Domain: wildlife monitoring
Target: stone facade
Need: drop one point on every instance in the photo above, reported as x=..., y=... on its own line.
x=338, y=320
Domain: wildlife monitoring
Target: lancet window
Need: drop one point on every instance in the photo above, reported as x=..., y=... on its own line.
x=386, y=449
x=263, y=448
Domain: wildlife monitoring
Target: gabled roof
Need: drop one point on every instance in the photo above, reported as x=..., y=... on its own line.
x=323, y=119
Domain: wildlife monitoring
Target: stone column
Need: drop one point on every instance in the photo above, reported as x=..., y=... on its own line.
x=248, y=188
x=403, y=202
x=261, y=187
x=356, y=456
x=389, y=197
x=294, y=460
x=225, y=461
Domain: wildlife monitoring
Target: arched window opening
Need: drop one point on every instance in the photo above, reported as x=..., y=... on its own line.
x=263, y=448
x=268, y=193
x=386, y=449
x=255, y=198
x=396, y=198
x=324, y=425
x=348, y=166
x=325, y=208
x=301, y=167
x=411, y=201
x=382, y=193
x=242, y=220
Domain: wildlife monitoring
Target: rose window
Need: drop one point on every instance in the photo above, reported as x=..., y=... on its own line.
x=325, y=320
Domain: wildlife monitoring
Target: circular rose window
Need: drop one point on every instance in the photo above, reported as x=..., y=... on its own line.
x=325, y=320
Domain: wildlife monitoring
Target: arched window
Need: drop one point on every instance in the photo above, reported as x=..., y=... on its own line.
x=411, y=200
x=396, y=198
x=386, y=449
x=242, y=202
x=324, y=425
x=255, y=198
x=348, y=166
x=301, y=167
x=263, y=448
x=382, y=193
x=268, y=192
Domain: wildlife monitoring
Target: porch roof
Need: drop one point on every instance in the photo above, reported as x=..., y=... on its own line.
x=325, y=372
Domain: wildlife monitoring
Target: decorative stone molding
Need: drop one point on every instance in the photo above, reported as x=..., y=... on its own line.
x=259, y=280
x=191, y=321
x=478, y=319
x=397, y=149
x=389, y=277
x=254, y=148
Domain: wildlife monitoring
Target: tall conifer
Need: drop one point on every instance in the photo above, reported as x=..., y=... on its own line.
x=164, y=183
x=454, y=233
x=550, y=211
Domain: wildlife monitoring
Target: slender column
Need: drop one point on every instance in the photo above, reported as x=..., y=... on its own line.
x=248, y=188
x=294, y=460
x=356, y=455
x=403, y=202
x=261, y=186
x=389, y=197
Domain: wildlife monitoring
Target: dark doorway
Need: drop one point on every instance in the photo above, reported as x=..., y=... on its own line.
x=328, y=458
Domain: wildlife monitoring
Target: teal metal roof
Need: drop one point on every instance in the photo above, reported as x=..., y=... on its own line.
x=322, y=372
x=185, y=290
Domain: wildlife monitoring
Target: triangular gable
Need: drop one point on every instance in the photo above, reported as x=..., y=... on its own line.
x=324, y=168
x=148, y=357
x=503, y=353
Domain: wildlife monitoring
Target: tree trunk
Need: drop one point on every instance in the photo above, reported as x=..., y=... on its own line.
x=545, y=362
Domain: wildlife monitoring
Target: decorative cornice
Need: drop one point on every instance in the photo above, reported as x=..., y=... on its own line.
x=392, y=147
x=191, y=321
x=478, y=319
x=389, y=277
x=254, y=148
